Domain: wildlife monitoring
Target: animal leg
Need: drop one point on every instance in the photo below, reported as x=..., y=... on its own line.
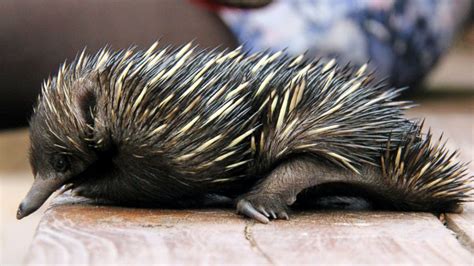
x=270, y=198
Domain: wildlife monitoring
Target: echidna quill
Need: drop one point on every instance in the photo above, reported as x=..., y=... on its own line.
x=177, y=127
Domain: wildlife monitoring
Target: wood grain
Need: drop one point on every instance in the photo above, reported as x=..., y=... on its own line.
x=96, y=235
x=463, y=225
x=87, y=234
x=360, y=238
x=455, y=119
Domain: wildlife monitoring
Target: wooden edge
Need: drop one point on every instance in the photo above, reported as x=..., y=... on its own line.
x=463, y=225
x=88, y=234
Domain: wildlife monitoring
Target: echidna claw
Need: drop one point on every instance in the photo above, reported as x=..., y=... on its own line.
x=246, y=208
x=262, y=208
x=274, y=216
x=263, y=211
x=283, y=215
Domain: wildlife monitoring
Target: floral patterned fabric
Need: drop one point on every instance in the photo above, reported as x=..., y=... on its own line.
x=401, y=39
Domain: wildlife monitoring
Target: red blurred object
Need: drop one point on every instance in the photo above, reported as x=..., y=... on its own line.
x=220, y=4
x=209, y=4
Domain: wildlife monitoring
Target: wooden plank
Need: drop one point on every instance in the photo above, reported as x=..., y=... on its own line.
x=463, y=225
x=455, y=118
x=360, y=238
x=87, y=234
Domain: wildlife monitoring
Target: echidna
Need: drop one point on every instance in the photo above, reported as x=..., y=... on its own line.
x=175, y=127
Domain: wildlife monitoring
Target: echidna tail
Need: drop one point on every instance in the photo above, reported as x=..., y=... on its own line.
x=426, y=173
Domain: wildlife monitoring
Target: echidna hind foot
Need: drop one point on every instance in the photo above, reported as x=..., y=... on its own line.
x=271, y=198
x=417, y=175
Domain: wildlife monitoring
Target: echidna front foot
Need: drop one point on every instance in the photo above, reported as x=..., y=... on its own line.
x=263, y=207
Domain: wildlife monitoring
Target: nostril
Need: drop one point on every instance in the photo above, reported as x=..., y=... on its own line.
x=19, y=212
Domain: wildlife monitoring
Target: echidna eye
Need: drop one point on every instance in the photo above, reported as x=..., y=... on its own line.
x=60, y=163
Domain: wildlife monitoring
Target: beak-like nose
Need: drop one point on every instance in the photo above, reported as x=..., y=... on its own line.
x=38, y=194
x=20, y=213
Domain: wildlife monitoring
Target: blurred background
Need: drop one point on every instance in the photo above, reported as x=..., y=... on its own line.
x=426, y=45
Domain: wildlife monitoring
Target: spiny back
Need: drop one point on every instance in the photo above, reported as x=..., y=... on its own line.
x=222, y=115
